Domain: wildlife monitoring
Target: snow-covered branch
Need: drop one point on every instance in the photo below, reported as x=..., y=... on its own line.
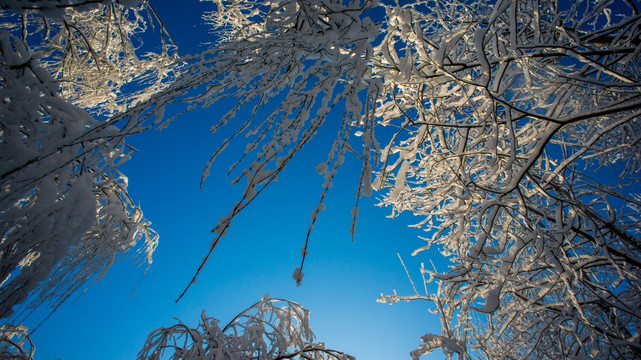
x=516, y=114
x=65, y=214
x=271, y=329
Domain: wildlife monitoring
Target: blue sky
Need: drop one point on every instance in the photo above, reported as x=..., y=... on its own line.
x=343, y=278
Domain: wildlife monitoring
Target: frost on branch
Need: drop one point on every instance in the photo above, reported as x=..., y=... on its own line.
x=15, y=343
x=519, y=145
x=65, y=215
x=270, y=329
x=286, y=65
x=95, y=49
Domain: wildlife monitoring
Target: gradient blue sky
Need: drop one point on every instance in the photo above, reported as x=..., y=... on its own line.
x=343, y=278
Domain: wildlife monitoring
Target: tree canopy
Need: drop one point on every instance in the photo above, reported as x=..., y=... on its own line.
x=65, y=211
x=510, y=127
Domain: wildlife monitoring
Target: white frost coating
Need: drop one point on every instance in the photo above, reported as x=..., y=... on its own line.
x=366, y=188
x=67, y=215
x=321, y=168
x=99, y=63
x=448, y=345
x=352, y=229
x=505, y=128
x=269, y=329
x=491, y=301
x=479, y=39
x=399, y=183
x=298, y=276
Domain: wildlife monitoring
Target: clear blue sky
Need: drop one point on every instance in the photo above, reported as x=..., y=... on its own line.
x=343, y=278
